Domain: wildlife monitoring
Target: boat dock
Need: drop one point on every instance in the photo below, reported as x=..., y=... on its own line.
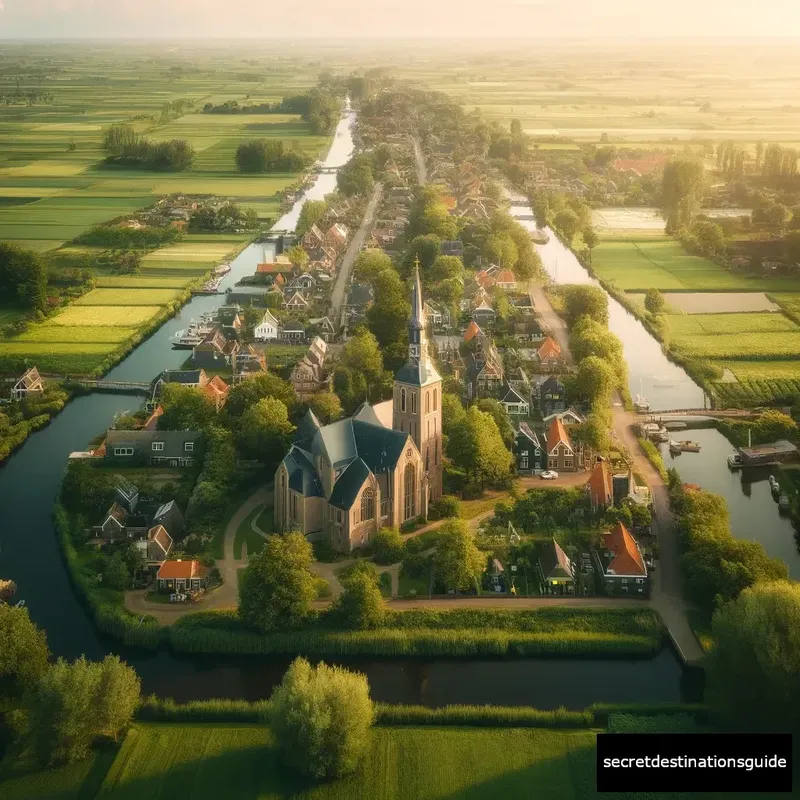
x=763, y=455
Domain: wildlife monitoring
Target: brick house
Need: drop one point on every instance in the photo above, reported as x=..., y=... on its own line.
x=182, y=576
x=621, y=564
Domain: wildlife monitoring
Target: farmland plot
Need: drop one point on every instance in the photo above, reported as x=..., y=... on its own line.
x=128, y=297
x=125, y=316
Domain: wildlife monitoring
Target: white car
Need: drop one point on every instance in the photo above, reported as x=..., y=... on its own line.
x=549, y=475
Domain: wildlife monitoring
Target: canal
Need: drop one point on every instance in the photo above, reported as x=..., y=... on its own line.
x=753, y=510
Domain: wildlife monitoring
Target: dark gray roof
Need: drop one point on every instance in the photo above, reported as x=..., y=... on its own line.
x=360, y=295
x=349, y=484
x=308, y=426
x=142, y=440
x=366, y=413
x=508, y=394
x=525, y=430
x=552, y=384
x=417, y=373
x=188, y=377
x=379, y=447
x=554, y=562
x=302, y=475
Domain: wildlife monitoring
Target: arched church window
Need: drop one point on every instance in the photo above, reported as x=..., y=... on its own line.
x=410, y=490
x=368, y=505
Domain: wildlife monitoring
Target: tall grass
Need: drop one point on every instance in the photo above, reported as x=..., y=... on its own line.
x=156, y=709
x=483, y=716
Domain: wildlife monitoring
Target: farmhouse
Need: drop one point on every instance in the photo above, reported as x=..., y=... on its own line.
x=154, y=448
x=182, y=576
x=621, y=564
x=156, y=547
x=556, y=569
x=30, y=383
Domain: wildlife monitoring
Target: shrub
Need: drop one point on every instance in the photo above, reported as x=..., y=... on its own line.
x=322, y=718
x=447, y=506
x=387, y=546
x=483, y=716
x=156, y=709
x=361, y=604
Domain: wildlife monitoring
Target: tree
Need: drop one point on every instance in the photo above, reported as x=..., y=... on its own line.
x=298, y=257
x=453, y=412
x=24, y=654
x=322, y=718
x=429, y=215
x=268, y=155
x=362, y=354
x=476, y=445
x=249, y=392
x=388, y=546
x=445, y=268
x=585, y=300
x=278, y=585
x=361, y=606
x=567, y=223
x=500, y=416
x=116, y=574
x=23, y=277
x=388, y=316
x=326, y=406
x=681, y=191
x=591, y=240
x=355, y=177
x=185, y=408
x=501, y=249
x=264, y=431
x=654, y=301
x=75, y=703
x=310, y=214
x=458, y=561
x=425, y=248
x=596, y=379
x=369, y=263
x=753, y=670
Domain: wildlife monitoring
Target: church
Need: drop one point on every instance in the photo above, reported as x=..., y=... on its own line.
x=379, y=468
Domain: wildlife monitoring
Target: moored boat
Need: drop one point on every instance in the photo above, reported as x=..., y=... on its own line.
x=684, y=446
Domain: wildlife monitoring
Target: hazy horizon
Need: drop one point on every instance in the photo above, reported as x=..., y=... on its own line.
x=720, y=20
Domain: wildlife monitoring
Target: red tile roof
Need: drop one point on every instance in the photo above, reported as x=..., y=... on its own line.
x=600, y=485
x=182, y=570
x=627, y=558
x=506, y=276
x=217, y=390
x=549, y=347
x=472, y=331
x=152, y=421
x=557, y=435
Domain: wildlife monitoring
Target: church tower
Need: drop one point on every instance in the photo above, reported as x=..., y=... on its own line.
x=418, y=394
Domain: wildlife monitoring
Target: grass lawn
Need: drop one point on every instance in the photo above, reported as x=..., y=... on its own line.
x=246, y=534
x=664, y=264
x=469, y=509
x=240, y=761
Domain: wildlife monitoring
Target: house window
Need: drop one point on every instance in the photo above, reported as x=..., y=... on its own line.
x=402, y=399
x=624, y=580
x=123, y=451
x=640, y=580
x=523, y=462
x=435, y=399
x=567, y=463
x=367, y=505
x=413, y=402
x=188, y=447
x=552, y=462
x=158, y=445
x=410, y=481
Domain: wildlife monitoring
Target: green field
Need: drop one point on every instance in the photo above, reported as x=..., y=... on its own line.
x=664, y=264
x=117, y=297
x=682, y=325
x=747, y=346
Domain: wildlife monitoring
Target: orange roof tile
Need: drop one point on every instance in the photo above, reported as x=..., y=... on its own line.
x=557, y=434
x=600, y=485
x=472, y=331
x=506, y=276
x=627, y=558
x=182, y=570
x=152, y=421
x=549, y=347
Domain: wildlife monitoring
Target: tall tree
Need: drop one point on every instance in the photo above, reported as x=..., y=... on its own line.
x=24, y=654
x=682, y=191
x=278, y=584
x=264, y=431
x=298, y=257
x=249, y=392
x=361, y=606
x=477, y=446
x=458, y=562
x=654, y=301
x=310, y=214
x=185, y=408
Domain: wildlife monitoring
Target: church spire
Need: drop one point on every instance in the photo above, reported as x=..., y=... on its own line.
x=416, y=325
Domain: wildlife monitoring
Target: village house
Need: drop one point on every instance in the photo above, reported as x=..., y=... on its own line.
x=182, y=576
x=550, y=353
x=322, y=259
x=127, y=493
x=437, y=315
x=156, y=547
x=113, y=526
x=267, y=329
x=215, y=352
x=514, y=403
x=569, y=418
x=170, y=517
x=322, y=327
x=552, y=396
x=505, y=280
x=217, y=391
x=336, y=237
x=561, y=454
x=195, y=378
x=528, y=451
x=620, y=562
x=30, y=383
x=295, y=302
x=600, y=487
x=313, y=238
x=556, y=569
x=483, y=313
x=230, y=321
x=153, y=448
x=379, y=468
x=305, y=282
x=293, y=332
x=309, y=375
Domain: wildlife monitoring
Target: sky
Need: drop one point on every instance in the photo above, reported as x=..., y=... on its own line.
x=267, y=19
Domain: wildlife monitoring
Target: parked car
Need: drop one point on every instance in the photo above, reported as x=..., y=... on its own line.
x=549, y=475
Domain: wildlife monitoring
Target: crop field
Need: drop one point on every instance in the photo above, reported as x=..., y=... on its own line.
x=665, y=265
x=117, y=297
x=97, y=334
x=684, y=325
x=755, y=393
x=715, y=302
x=139, y=282
x=745, y=345
x=205, y=761
x=126, y=316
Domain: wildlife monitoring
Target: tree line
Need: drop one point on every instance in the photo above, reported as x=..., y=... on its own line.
x=23, y=277
x=126, y=147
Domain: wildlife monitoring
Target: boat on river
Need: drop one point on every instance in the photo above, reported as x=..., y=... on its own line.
x=774, y=486
x=222, y=269
x=192, y=336
x=684, y=446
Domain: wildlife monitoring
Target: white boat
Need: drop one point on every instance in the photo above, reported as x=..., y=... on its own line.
x=222, y=269
x=735, y=461
x=683, y=446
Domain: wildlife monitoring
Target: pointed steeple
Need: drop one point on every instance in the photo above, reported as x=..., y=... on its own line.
x=417, y=306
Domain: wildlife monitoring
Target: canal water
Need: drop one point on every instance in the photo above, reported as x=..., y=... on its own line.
x=753, y=511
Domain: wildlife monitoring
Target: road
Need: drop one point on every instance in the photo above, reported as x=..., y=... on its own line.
x=353, y=249
x=422, y=172
x=667, y=588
